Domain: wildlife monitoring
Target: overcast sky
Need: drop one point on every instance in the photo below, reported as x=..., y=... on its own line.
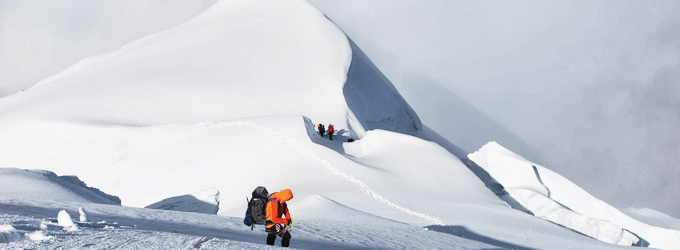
x=587, y=88
x=40, y=38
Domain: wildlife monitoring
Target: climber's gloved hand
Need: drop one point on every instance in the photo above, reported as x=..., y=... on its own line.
x=291, y=222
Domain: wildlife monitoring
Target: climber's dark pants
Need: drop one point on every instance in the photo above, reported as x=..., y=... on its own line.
x=285, y=242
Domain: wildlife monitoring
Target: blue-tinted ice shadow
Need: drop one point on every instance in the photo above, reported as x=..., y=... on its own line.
x=463, y=232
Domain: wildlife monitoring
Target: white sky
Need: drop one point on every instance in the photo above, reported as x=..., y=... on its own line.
x=41, y=38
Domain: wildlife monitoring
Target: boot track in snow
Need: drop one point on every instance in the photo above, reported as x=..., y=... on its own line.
x=307, y=152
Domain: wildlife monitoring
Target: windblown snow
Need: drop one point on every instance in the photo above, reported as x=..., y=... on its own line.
x=224, y=103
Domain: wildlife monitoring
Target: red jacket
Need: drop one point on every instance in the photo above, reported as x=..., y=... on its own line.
x=331, y=129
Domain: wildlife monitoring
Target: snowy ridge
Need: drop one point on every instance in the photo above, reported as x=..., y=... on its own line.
x=76, y=181
x=545, y=208
x=298, y=62
x=45, y=185
x=308, y=153
x=92, y=61
x=511, y=170
x=365, y=87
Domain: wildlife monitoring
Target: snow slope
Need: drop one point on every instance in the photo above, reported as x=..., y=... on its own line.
x=141, y=111
x=215, y=67
x=40, y=185
x=527, y=182
x=320, y=224
x=237, y=91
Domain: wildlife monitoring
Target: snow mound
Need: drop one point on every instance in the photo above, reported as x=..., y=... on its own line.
x=6, y=228
x=65, y=221
x=9, y=234
x=76, y=181
x=38, y=236
x=549, y=195
x=204, y=201
x=82, y=215
x=45, y=185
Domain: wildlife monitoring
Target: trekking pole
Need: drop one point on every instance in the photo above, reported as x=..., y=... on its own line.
x=252, y=226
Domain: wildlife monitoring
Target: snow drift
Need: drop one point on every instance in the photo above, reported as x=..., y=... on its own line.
x=551, y=196
x=45, y=185
x=204, y=201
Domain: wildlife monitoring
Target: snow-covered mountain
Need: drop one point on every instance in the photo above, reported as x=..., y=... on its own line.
x=576, y=85
x=229, y=101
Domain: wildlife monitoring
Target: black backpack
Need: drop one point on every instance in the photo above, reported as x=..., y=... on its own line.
x=256, y=214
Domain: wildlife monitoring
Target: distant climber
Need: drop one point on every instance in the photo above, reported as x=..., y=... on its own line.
x=322, y=129
x=331, y=130
x=275, y=224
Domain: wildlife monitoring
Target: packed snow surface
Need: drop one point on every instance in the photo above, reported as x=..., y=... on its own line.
x=82, y=216
x=321, y=223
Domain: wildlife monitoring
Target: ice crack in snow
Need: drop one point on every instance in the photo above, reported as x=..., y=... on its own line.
x=307, y=152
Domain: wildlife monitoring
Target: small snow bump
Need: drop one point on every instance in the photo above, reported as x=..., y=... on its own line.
x=6, y=228
x=38, y=236
x=83, y=215
x=65, y=221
